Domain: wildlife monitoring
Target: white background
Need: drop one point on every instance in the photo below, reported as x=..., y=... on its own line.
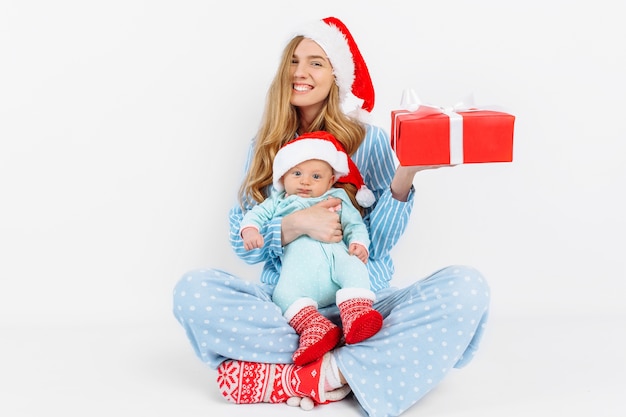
x=124, y=124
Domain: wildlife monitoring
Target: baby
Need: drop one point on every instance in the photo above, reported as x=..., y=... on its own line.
x=316, y=274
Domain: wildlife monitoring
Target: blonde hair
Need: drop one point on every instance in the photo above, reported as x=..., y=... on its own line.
x=281, y=123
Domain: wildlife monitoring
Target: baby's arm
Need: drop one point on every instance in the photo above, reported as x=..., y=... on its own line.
x=252, y=239
x=359, y=251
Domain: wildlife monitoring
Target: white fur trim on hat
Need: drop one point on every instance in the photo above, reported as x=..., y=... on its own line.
x=298, y=151
x=335, y=44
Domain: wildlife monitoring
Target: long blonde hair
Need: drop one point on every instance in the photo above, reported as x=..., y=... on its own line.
x=281, y=123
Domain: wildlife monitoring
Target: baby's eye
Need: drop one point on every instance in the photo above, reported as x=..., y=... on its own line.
x=317, y=176
x=297, y=173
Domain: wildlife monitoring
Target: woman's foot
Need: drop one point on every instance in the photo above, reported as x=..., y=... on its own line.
x=251, y=382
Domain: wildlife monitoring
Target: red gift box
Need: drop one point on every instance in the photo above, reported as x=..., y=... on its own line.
x=434, y=136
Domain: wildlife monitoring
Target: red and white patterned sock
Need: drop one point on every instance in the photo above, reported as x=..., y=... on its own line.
x=250, y=382
x=360, y=321
x=318, y=335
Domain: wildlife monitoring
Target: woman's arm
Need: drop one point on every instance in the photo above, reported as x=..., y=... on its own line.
x=388, y=218
x=269, y=230
x=393, y=187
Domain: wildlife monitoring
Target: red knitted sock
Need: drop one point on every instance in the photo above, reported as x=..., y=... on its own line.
x=360, y=321
x=318, y=335
x=251, y=382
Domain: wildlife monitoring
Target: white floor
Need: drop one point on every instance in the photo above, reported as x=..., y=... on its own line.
x=548, y=366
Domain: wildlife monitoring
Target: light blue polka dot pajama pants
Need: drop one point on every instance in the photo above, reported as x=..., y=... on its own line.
x=429, y=328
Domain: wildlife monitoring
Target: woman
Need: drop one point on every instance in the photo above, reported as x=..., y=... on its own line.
x=429, y=327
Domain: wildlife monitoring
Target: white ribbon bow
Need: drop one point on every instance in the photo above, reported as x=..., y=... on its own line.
x=411, y=102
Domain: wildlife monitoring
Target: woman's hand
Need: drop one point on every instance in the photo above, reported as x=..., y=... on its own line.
x=319, y=222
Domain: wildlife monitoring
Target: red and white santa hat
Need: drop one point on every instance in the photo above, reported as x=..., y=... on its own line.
x=351, y=73
x=325, y=147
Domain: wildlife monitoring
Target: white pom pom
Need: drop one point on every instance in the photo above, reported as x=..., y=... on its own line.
x=294, y=401
x=307, y=404
x=365, y=197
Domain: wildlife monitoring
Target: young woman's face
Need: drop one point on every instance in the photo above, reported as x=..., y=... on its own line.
x=310, y=178
x=312, y=77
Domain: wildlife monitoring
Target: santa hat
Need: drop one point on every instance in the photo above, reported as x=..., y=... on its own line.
x=351, y=73
x=323, y=146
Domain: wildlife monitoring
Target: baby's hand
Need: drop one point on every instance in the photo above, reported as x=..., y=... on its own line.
x=252, y=239
x=359, y=251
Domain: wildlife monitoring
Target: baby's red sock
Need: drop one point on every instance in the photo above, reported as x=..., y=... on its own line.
x=318, y=335
x=360, y=321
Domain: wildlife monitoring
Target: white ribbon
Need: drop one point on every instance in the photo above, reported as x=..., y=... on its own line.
x=456, y=137
x=411, y=102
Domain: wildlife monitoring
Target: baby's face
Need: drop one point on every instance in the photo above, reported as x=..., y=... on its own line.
x=310, y=178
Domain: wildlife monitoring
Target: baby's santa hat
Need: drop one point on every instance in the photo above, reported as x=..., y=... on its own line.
x=351, y=73
x=325, y=147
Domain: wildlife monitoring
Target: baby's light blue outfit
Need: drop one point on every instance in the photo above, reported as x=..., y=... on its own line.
x=310, y=268
x=430, y=326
